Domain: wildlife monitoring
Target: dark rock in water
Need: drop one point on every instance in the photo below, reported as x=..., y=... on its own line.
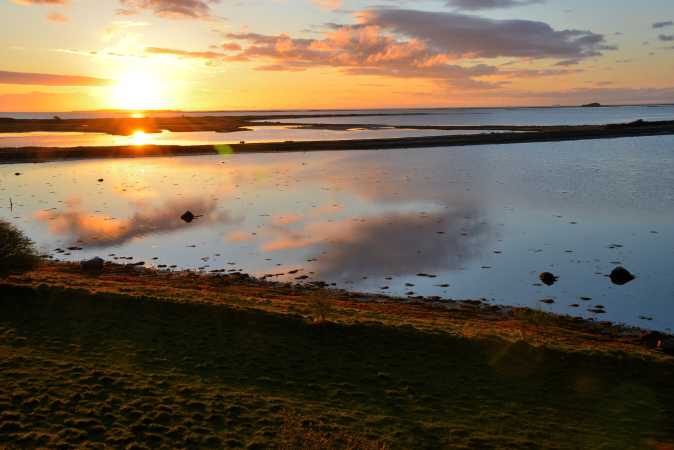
x=548, y=279
x=592, y=105
x=621, y=276
x=100, y=180
x=187, y=217
x=17, y=173
x=548, y=301
x=94, y=265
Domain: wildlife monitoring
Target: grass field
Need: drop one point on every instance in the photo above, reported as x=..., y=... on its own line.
x=118, y=362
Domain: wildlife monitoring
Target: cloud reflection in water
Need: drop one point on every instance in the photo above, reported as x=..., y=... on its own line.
x=100, y=231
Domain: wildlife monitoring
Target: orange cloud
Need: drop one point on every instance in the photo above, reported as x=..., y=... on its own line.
x=44, y=79
x=183, y=53
x=41, y=2
x=57, y=17
x=172, y=9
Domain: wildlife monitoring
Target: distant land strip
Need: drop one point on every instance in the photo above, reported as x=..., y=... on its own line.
x=528, y=134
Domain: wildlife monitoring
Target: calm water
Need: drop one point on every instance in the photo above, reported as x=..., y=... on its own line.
x=450, y=116
x=484, y=220
x=510, y=116
x=256, y=134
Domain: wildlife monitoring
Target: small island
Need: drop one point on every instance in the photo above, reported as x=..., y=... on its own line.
x=592, y=105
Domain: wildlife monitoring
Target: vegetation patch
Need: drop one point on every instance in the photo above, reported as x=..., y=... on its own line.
x=17, y=253
x=186, y=361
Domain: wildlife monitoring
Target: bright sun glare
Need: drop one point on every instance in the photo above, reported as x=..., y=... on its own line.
x=139, y=138
x=137, y=91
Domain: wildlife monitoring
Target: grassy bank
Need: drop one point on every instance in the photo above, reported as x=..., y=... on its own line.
x=145, y=359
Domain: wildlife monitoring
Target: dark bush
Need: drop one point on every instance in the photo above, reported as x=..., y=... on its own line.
x=17, y=253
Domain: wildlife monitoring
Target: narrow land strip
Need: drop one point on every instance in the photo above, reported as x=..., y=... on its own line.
x=544, y=134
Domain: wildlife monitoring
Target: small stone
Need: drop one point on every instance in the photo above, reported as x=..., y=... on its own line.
x=548, y=278
x=548, y=301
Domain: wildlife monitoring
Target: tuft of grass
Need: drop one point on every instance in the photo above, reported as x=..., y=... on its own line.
x=321, y=306
x=535, y=317
x=17, y=253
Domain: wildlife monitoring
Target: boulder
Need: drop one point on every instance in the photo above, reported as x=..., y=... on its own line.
x=94, y=265
x=621, y=276
x=187, y=217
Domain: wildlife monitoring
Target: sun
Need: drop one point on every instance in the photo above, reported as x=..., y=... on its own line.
x=137, y=91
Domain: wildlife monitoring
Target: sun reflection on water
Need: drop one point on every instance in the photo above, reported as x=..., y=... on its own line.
x=140, y=138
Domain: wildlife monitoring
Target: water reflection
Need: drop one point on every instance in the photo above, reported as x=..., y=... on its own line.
x=98, y=230
x=487, y=221
x=393, y=244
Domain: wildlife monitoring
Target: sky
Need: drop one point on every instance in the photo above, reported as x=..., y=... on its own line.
x=66, y=55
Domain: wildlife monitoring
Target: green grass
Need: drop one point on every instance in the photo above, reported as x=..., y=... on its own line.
x=17, y=253
x=85, y=371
